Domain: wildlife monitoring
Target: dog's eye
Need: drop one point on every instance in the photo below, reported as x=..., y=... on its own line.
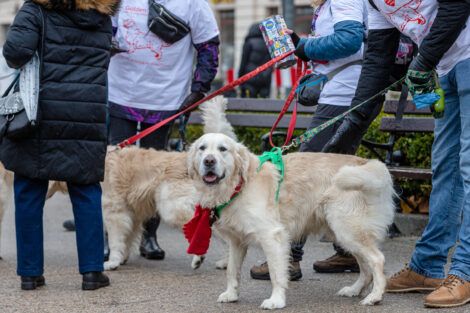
x=202, y=148
x=222, y=149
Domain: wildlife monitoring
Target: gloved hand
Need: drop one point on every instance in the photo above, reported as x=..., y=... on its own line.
x=419, y=77
x=348, y=137
x=192, y=98
x=115, y=49
x=295, y=38
x=300, y=52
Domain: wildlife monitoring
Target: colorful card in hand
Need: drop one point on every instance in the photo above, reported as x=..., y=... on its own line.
x=278, y=40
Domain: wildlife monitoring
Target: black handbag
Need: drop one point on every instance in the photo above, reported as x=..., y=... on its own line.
x=166, y=25
x=311, y=85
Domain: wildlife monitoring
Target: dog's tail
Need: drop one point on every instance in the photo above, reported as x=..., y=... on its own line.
x=214, y=118
x=371, y=176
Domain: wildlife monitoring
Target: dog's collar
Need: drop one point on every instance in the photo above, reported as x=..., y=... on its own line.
x=216, y=211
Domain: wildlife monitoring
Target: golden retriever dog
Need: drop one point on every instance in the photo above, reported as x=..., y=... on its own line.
x=141, y=182
x=347, y=197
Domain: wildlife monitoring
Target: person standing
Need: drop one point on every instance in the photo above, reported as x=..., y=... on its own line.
x=254, y=54
x=440, y=28
x=336, y=45
x=69, y=144
x=152, y=79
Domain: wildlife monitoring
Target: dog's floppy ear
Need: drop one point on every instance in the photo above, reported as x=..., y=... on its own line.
x=242, y=161
x=192, y=171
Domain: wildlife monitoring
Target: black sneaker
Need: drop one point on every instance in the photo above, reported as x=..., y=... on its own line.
x=31, y=282
x=94, y=280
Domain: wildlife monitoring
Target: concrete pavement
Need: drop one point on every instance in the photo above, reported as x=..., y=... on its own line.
x=172, y=286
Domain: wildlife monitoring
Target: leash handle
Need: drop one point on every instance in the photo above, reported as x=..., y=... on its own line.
x=300, y=72
x=220, y=91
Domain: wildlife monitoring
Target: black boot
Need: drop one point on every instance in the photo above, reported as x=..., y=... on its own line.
x=106, y=247
x=31, y=282
x=94, y=280
x=149, y=247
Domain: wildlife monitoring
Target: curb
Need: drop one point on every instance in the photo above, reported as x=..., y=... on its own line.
x=411, y=224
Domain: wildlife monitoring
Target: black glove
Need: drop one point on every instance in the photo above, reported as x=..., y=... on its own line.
x=192, y=98
x=115, y=49
x=348, y=137
x=295, y=39
x=300, y=53
x=419, y=77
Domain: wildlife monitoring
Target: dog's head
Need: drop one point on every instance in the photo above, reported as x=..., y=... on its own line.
x=216, y=159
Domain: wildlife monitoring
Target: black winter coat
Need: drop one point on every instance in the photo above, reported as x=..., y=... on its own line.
x=255, y=53
x=70, y=142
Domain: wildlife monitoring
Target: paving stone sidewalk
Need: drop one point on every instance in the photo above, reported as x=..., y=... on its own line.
x=172, y=286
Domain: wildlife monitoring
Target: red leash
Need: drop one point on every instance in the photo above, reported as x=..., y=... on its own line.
x=301, y=71
x=227, y=87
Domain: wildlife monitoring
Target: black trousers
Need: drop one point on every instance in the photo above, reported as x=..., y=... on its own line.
x=323, y=113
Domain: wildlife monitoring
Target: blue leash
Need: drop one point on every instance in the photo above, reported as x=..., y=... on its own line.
x=315, y=79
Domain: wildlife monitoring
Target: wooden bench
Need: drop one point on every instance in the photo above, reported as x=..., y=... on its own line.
x=263, y=113
x=398, y=126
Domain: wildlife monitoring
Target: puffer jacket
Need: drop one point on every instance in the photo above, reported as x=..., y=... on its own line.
x=73, y=38
x=255, y=53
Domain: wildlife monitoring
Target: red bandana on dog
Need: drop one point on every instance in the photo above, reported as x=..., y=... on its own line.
x=198, y=230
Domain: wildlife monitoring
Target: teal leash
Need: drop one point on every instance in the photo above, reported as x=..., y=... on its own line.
x=275, y=157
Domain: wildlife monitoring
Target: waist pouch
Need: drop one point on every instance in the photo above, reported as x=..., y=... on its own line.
x=166, y=25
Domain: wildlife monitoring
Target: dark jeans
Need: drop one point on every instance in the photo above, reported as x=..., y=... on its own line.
x=323, y=113
x=30, y=195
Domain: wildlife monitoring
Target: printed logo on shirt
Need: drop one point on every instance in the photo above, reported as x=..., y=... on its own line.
x=390, y=2
x=405, y=14
x=138, y=40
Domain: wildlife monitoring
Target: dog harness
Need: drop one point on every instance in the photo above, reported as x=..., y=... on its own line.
x=275, y=157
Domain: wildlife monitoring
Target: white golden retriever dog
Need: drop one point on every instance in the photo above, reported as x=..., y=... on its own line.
x=348, y=197
x=141, y=182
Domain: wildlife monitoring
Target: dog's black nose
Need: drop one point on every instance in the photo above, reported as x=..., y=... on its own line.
x=209, y=161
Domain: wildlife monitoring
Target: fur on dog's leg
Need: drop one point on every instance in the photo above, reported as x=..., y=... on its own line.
x=376, y=261
x=197, y=261
x=214, y=119
x=119, y=226
x=365, y=277
x=237, y=253
x=275, y=245
x=222, y=263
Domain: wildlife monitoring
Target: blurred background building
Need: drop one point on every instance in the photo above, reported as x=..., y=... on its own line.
x=8, y=9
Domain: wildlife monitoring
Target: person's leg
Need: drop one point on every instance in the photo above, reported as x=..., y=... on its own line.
x=341, y=261
x=86, y=203
x=120, y=129
x=149, y=247
x=446, y=200
x=30, y=196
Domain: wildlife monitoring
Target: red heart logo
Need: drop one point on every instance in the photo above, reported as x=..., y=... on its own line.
x=390, y=2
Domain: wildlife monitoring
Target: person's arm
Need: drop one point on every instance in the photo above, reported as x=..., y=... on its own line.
x=23, y=36
x=346, y=40
x=378, y=61
x=207, y=64
x=448, y=24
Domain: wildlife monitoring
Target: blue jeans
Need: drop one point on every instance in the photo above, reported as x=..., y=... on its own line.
x=30, y=195
x=449, y=209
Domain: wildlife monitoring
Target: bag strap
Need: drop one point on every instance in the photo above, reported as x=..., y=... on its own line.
x=12, y=84
x=333, y=73
x=371, y=2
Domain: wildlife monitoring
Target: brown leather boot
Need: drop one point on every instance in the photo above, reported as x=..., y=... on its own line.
x=454, y=291
x=408, y=280
x=262, y=271
x=337, y=263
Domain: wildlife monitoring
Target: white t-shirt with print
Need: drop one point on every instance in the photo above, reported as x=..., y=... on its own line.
x=341, y=89
x=414, y=18
x=152, y=74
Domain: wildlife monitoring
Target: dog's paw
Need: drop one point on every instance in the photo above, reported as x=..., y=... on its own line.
x=228, y=296
x=221, y=264
x=273, y=303
x=348, y=291
x=197, y=261
x=111, y=265
x=370, y=300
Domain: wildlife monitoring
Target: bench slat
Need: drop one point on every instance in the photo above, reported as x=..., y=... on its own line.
x=258, y=120
x=263, y=105
x=409, y=172
x=408, y=124
x=410, y=108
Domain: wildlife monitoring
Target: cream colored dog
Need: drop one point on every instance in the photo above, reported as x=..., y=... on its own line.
x=141, y=182
x=348, y=197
